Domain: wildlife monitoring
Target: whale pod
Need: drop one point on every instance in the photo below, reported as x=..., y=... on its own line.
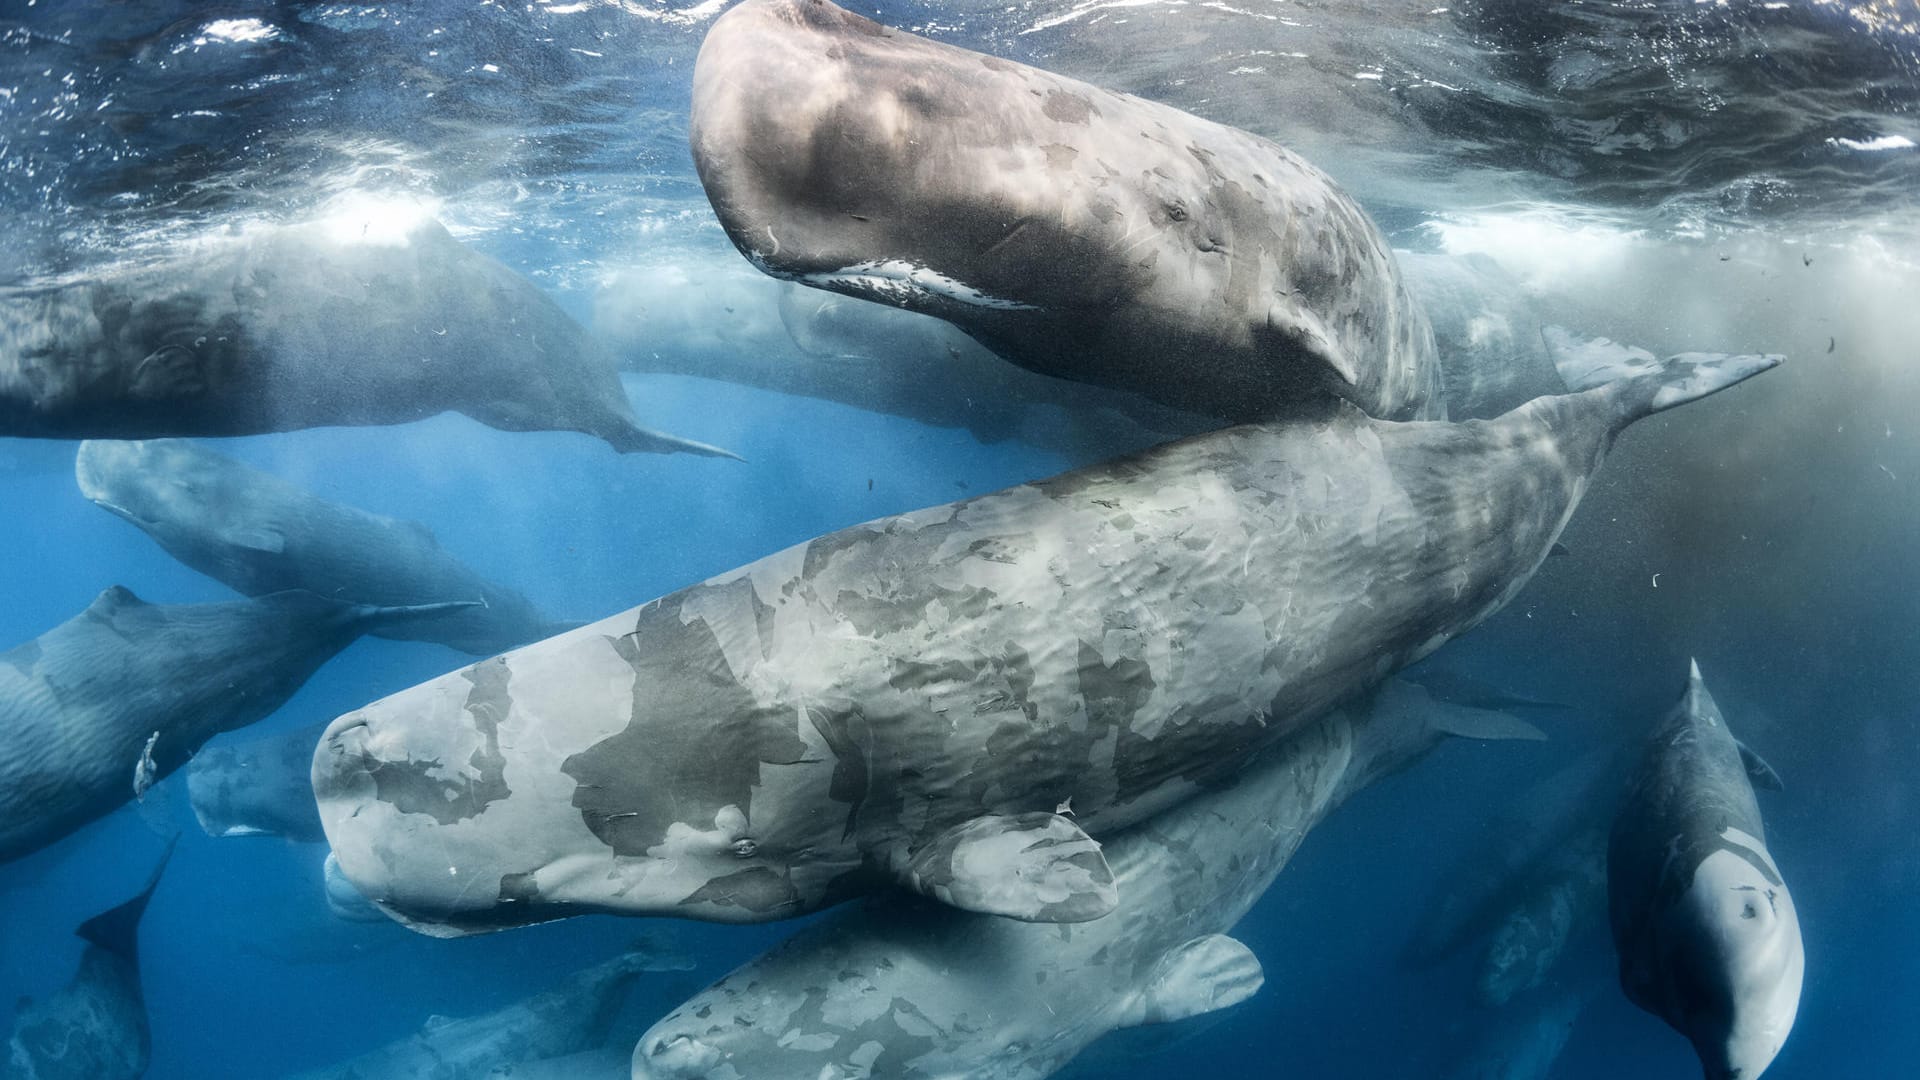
x=961, y=699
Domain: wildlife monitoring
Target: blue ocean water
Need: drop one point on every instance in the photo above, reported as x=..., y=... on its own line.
x=1737, y=177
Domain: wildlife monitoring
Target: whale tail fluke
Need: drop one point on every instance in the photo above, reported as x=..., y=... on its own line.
x=1642, y=384
x=117, y=929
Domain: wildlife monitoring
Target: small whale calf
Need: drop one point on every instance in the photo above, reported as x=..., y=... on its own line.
x=1077, y=232
x=1706, y=930
x=920, y=699
x=315, y=324
x=94, y=1028
x=259, y=534
x=127, y=688
x=910, y=990
x=262, y=786
x=573, y=1017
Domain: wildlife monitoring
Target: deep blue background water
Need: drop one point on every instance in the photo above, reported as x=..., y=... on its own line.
x=1783, y=518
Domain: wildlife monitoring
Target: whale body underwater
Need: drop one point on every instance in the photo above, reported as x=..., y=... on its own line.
x=259, y=534
x=127, y=691
x=1079, y=233
x=306, y=325
x=922, y=699
x=904, y=988
x=1706, y=930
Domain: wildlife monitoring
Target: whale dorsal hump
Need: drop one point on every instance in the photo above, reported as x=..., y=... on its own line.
x=114, y=598
x=117, y=930
x=1200, y=976
x=1759, y=772
x=1032, y=867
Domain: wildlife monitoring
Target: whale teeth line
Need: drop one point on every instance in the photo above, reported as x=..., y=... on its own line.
x=900, y=281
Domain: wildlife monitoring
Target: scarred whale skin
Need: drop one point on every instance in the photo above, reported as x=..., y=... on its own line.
x=917, y=698
x=95, y=1027
x=910, y=990
x=81, y=705
x=301, y=326
x=1081, y=233
x=1706, y=931
x=258, y=534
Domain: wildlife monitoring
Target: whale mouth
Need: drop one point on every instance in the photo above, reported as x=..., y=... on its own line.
x=899, y=282
x=675, y=1057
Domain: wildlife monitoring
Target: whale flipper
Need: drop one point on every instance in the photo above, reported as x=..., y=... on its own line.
x=1032, y=867
x=633, y=439
x=1758, y=771
x=1201, y=976
x=1640, y=384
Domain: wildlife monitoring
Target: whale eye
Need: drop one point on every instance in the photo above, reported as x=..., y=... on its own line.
x=745, y=847
x=1748, y=911
x=1176, y=210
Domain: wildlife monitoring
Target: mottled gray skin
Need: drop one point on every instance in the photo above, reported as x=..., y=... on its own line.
x=306, y=326
x=915, y=699
x=259, y=534
x=908, y=990
x=262, y=786
x=1076, y=232
x=94, y=1028
x=574, y=1016
x=1705, y=928
x=79, y=703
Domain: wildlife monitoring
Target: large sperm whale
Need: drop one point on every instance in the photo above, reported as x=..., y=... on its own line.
x=917, y=991
x=258, y=534
x=315, y=324
x=1708, y=937
x=958, y=699
x=114, y=699
x=1076, y=232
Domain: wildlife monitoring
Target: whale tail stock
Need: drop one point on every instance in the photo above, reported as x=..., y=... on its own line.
x=1639, y=384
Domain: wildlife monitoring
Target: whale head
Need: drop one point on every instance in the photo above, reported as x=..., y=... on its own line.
x=154, y=483
x=1737, y=963
x=602, y=770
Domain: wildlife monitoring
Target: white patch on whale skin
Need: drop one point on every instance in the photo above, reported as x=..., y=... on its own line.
x=899, y=281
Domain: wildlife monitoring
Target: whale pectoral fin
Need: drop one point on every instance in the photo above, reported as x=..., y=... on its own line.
x=1758, y=771
x=254, y=538
x=1203, y=975
x=1032, y=867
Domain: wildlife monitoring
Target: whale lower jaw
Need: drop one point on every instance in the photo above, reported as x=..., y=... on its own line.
x=898, y=282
